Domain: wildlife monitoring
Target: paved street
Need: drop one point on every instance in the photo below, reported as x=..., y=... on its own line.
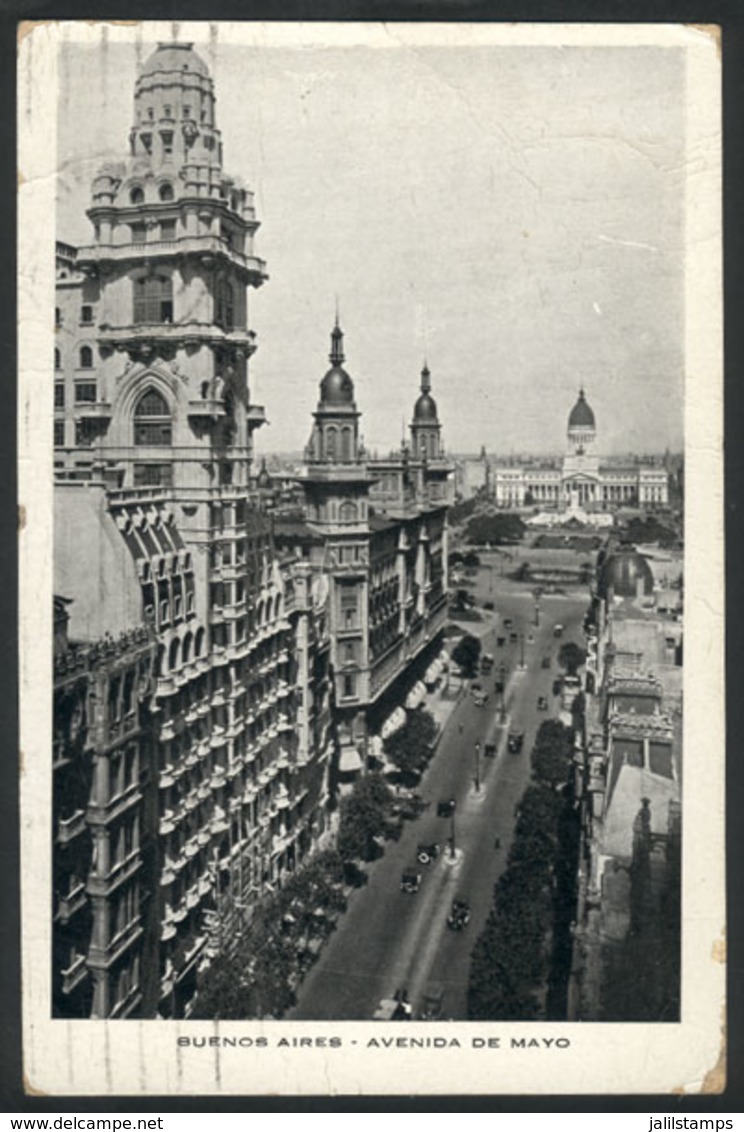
x=388, y=939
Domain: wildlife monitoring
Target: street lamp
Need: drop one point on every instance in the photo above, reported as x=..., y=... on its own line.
x=521, y=650
x=477, y=767
x=452, y=835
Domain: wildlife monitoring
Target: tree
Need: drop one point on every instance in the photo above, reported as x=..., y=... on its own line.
x=466, y=654
x=571, y=657
x=363, y=818
x=471, y=560
x=494, y=529
x=551, y=755
x=410, y=748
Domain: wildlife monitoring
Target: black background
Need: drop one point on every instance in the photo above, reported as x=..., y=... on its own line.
x=729, y=14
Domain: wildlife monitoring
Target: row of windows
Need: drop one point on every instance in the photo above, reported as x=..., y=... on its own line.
x=165, y=192
x=86, y=315
x=85, y=358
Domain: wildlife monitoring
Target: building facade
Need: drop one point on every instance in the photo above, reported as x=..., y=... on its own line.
x=581, y=481
x=158, y=531
x=626, y=963
x=376, y=531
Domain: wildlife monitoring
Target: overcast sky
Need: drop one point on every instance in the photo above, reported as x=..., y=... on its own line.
x=513, y=213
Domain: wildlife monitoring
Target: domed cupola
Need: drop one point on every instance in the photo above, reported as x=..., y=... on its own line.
x=582, y=428
x=425, y=427
x=627, y=574
x=335, y=435
x=337, y=388
x=170, y=57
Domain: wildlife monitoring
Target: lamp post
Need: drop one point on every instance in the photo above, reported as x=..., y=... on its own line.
x=477, y=767
x=452, y=834
x=521, y=650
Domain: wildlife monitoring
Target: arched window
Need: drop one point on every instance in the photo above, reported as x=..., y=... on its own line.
x=199, y=642
x=153, y=299
x=152, y=420
x=331, y=443
x=347, y=512
x=57, y=316
x=346, y=444
x=57, y=360
x=187, y=648
x=173, y=654
x=225, y=305
x=166, y=191
x=86, y=358
x=136, y=196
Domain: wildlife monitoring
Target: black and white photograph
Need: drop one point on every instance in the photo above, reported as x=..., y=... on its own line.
x=371, y=610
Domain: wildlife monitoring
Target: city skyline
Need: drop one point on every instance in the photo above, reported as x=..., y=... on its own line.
x=542, y=224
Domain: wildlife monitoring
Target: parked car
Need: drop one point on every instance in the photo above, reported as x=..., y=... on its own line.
x=513, y=637
x=490, y=751
x=508, y=622
x=459, y=916
x=557, y=630
x=557, y=686
x=480, y=698
x=500, y=642
x=488, y=605
x=425, y=854
x=431, y=1008
x=515, y=742
x=542, y=703
x=546, y=662
x=498, y=686
x=446, y=808
x=410, y=881
x=397, y=1008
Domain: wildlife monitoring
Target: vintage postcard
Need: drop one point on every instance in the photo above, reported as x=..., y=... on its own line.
x=371, y=558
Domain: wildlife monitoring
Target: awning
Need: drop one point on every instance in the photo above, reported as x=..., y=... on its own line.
x=350, y=760
x=416, y=695
x=394, y=722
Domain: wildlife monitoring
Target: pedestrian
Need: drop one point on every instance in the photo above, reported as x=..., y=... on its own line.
x=497, y=843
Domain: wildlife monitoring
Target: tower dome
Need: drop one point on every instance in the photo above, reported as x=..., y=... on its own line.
x=337, y=388
x=169, y=57
x=628, y=573
x=581, y=415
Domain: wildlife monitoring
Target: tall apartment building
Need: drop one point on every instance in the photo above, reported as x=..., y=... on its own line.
x=160, y=540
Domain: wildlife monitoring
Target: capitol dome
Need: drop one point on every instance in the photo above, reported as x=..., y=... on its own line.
x=581, y=415
x=174, y=57
x=628, y=573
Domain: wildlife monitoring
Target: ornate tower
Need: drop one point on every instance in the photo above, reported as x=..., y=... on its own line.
x=425, y=426
x=172, y=259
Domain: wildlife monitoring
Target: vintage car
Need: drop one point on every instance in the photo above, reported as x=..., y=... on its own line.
x=431, y=1008
x=546, y=662
x=542, y=703
x=427, y=853
x=459, y=916
x=410, y=881
x=490, y=751
x=515, y=742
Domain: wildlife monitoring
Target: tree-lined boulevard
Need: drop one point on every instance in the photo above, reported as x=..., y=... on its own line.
x=390, y=940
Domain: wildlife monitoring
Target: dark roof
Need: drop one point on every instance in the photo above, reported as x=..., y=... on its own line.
x=425, y=408
x=581, y=415
x=337, y=388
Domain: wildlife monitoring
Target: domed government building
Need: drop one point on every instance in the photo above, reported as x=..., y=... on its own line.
x=581, y=481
